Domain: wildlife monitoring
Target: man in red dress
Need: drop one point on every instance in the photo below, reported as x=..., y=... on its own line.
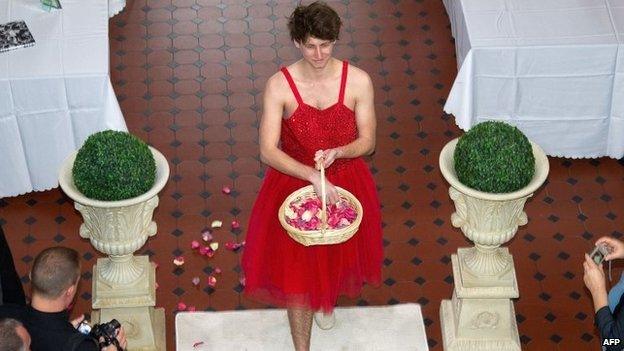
x=314, y=113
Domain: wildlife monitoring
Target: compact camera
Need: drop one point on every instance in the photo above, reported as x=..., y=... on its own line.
x=598, y=253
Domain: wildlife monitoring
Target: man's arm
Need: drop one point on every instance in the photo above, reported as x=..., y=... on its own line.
x=270, y=129
x=364, y=144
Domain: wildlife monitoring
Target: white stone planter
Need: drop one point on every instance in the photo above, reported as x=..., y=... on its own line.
x=481, y=315
x=117, y=228
x=488, y=219
x=124, y=285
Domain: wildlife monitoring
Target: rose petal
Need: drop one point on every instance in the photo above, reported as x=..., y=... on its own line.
x=307, y=215
x=214, y=246
x=206, y=235
x=181, y=306
x=178, y=261
x=241, y=280
x=217, y=270
x=216, y=224
x=204, y=250
x=232, y=246
x=194, y=244
x=212, y=281
x=195, y=281
x=226, y=190
x=235, y=224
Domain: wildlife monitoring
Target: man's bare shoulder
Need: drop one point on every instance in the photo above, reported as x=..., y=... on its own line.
x=358, y=76
x=277, y=85
x=359, y=82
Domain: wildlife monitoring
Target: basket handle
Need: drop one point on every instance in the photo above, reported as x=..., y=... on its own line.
x=323, y=199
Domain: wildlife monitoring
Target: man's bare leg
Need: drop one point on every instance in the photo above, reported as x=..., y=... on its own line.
x=300, y=328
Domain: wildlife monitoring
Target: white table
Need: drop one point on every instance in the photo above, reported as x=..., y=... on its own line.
x=554, y=68
x=55, y=94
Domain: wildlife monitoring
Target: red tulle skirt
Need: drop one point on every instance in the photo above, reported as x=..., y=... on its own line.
x=281, y=272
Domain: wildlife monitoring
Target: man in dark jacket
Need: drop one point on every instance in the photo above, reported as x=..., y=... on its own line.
x=54, y=277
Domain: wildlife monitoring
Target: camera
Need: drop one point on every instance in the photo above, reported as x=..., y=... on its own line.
x=598, y=253
x=104, y=334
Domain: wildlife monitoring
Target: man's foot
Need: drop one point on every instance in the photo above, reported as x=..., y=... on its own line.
x=325, y=321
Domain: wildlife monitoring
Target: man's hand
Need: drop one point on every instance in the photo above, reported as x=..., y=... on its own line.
x=593, y=276
x=327, y=157
x=121, y=338
x=76, y=322
x=615, y=247
x=594, y=279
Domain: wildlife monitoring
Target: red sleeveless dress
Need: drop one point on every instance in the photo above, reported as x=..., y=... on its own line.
x=278, y=270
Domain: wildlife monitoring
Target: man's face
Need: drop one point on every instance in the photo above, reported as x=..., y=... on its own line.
x=316, y=52
x=23, y=334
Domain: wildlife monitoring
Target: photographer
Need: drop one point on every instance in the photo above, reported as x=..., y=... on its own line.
x=609, y=307
x=54, y=276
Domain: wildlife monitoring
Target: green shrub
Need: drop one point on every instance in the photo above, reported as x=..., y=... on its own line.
x=113, y=166
x=494, y=157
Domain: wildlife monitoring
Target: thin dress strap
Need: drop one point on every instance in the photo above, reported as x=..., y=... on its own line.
x=293, y=87
x=343, y=82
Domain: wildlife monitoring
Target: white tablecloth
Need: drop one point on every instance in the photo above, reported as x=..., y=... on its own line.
x=554, y=68
x=55, y=94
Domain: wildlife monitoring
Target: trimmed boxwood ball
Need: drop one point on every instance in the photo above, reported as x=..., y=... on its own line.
x=113, y=166
x=494, y=157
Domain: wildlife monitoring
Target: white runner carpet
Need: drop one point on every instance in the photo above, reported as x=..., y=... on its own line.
x=395, y=328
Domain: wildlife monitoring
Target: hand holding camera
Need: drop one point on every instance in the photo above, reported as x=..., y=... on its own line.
x=614, y=247
x=110, y=336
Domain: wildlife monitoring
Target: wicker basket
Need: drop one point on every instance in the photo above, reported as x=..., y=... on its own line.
x=323, y=236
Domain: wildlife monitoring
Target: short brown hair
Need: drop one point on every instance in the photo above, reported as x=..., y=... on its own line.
x=55, y=269
x=11, y=341
x=317, y=20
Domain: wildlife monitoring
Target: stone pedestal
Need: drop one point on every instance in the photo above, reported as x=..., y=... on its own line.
x=480, y=316
x=132, y=305
x=144, y=326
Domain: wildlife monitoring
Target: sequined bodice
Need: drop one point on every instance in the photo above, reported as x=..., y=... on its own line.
x=310, y=129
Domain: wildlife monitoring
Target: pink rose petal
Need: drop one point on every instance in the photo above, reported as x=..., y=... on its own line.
x=195, y=281
x=206, y=235
x=181, y=306
x=217, y=270
x=204, y=250
x=194, y=244
x=226, y=190
x=241, y=280
x=212, y=281
x=235, y=224
x=178, y=261
x=305, y=214
x=232, y=246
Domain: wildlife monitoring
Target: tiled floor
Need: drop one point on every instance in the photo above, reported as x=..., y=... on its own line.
x=189, y=75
